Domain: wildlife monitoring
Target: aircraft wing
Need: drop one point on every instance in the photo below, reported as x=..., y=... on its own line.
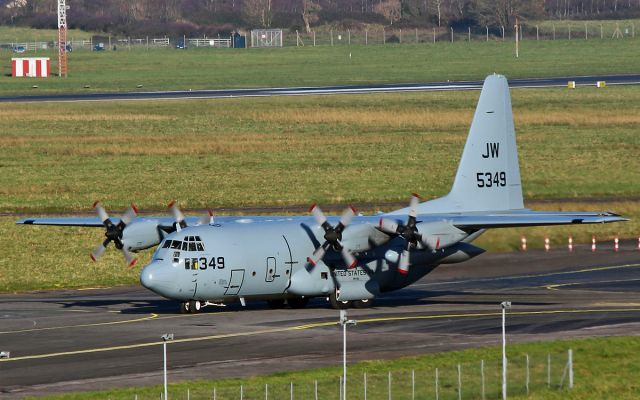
x=93, y=222
x=530, y=218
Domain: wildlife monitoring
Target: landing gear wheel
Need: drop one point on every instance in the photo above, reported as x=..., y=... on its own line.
x=275, y=304
x=298, y=302
x=338, y=305
x=195, y=306
x=366, y=303
x=184, y=307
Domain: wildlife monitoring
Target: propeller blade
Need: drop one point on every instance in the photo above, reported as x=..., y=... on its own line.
x=102, y=213
x=388, y=226
x=318, y=214
x=207, y=219
x=177, y=214
x=347, y=216
x=403, y=264
x=99, y=251
x=349, y=259
x=413, y=206
x=130, y=214
x=129, y=257
x=317, y=255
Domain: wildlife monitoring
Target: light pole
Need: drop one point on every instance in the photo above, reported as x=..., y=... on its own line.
x=504, y=305
x=165, y=338
x=344, y=321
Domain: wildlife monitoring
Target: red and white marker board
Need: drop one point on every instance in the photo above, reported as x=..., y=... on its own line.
x=32, y=67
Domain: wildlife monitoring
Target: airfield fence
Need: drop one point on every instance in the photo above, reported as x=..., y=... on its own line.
x=527, y=373
x=548, y=30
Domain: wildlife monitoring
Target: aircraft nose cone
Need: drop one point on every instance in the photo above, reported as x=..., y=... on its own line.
x=155, y=276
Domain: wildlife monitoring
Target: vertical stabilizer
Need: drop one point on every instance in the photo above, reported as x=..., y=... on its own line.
x=488, y=177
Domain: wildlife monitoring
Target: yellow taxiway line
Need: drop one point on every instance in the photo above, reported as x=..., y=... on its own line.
x=311, y=326
x=51, y=328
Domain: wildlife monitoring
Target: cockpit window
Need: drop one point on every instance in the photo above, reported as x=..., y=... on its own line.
x=167, y=244
x=190, y=243
x=185, y=246
x=176, y=244
x=192, y=246
x=200, y=246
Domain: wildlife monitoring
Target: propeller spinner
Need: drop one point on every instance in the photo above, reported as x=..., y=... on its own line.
x=114, y=233
x=332, y=237
x=408, y=232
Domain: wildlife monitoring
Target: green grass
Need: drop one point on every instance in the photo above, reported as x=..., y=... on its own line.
x=294, y=150
x=19, y=34
x=603, y=369
x=161, y=69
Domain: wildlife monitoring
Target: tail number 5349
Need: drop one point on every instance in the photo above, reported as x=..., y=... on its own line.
x=491, y=179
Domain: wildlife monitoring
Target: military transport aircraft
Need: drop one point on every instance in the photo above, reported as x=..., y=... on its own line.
x=349, y=260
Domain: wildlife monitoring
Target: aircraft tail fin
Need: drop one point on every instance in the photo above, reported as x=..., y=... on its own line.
x=488, y=177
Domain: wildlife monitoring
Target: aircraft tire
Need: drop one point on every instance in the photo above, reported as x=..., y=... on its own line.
x=339, y=305
x=298, y=302
x=184, y=307
x=276, y=304
x=366, y=303
x=195, y=306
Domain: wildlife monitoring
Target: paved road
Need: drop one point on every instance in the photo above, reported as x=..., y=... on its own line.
x=299, y=91
x=101, y=338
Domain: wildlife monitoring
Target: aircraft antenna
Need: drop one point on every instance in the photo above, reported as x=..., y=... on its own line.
x=62, y=38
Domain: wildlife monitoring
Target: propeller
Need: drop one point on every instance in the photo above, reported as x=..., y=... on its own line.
x=181, y=223
x=408, y=232
x=114, y=232
x=332, y=236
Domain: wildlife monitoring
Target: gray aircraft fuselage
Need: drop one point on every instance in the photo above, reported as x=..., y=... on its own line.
x=214, y=262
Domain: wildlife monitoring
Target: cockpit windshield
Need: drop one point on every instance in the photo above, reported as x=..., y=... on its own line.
x=189, y=243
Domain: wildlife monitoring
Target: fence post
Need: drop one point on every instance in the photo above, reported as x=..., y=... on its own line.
x=147, y=42
x=601, y=32
x=291, y=390
x=214, y=394
x=548, y=370
x=417, y=41
x=554, y=31
x=586, y=32
x=400, y=35
x=569, y=29
x=341, y=388
x=266, y=391
x=502, y=27
x=314, y=38
x=188, y=394
x=437, y=394
x=487, y=29
x=365, y=386
x=469, y=35
x=315, y=389
x=349, y=35
x=389, y=385
x=527, y=380
x=459, y=383
x=241, y=392
x=384, y=36
x=366, y=37
x=297, y=39
x=482, y=378
x=570, y=369
x=452, y=34
x=413, y=384
x=331, y=33
x=537, y=33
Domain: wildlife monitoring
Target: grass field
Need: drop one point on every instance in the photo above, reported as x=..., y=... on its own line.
x=294, y=150
x=171, y=69
x=603, y=369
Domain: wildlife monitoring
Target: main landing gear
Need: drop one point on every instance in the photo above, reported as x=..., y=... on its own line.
x=343, y=305
x=192, y=306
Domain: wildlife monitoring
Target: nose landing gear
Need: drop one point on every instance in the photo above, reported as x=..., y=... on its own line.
x=192, y=306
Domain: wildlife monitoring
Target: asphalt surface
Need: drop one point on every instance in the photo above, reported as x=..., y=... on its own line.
x=299, y=91
x=80, y=340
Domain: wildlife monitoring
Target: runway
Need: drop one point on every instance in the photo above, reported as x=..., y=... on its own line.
x=102, y=338
x=326, y=90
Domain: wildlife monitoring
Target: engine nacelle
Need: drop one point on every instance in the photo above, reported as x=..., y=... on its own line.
x=140, y=235
x=440, y=234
